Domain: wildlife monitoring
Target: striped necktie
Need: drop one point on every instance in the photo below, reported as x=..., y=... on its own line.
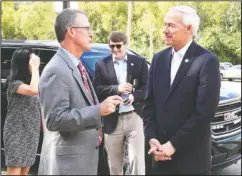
x=86, y=85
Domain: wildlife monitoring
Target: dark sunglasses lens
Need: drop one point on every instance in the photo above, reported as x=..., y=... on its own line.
x=118, y=46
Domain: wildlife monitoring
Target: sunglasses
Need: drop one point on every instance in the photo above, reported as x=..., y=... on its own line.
x=118, y=46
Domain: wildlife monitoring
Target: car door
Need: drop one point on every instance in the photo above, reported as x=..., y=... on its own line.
x=6, y=55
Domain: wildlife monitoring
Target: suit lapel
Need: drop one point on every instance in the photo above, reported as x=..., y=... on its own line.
x=111, y=71
x=185, y=65
x=92, y=90
x=130, y=68
x=165, y=74
x=75, y=73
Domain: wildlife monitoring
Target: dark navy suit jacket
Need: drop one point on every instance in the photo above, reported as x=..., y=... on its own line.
x=183, y=112
x=106, y=84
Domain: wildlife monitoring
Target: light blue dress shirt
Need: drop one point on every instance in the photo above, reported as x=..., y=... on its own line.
x=75, y=60
x=120, y=67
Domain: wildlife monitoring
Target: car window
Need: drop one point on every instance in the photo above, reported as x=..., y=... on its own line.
x=222, y=68
x=89, y=59
x=45, y=56
x=6, y=55
x=237, y=67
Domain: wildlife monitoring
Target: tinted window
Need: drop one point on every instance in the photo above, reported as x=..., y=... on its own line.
x=45, y=56
x=6, y=55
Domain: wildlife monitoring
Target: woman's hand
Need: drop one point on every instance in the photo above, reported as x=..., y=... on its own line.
x=34, y=61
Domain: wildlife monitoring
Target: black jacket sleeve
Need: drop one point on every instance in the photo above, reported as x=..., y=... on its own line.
x=101, y=89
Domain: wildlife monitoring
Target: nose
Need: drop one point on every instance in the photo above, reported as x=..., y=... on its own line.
x=115, y=48
x=165, y=29
x=90, y=33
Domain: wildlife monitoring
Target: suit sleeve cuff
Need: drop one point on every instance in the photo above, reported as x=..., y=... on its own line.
x=115, y=89
x=175, y=142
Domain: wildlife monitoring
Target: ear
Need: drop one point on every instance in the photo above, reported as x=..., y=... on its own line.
x=189, y=28
x=70, y=32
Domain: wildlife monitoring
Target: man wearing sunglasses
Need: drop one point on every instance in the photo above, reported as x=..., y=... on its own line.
x=125, y=75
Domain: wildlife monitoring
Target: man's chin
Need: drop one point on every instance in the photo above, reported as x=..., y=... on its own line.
x=168, y=43
x=87, y=48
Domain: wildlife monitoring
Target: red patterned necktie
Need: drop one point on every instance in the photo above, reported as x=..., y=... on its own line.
x=86, y=85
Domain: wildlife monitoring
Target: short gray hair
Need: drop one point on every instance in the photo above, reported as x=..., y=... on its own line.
x=190, y=17
x=64, y=20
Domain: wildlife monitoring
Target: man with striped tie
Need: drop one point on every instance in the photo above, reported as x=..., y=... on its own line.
x=71, y=111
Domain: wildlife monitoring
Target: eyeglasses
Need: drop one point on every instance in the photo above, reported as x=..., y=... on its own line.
x=83, y=27
x=118, y=46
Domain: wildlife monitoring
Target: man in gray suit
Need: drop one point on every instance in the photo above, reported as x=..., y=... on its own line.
x=71, y=112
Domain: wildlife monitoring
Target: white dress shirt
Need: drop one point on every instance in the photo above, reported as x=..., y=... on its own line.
x=176, y=60
x=120, y=67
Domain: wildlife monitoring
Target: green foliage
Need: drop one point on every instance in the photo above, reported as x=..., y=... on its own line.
x=28, y=20
x=220, y=28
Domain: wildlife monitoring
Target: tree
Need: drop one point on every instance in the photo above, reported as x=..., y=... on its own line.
x=28, y=20
x=220, y=28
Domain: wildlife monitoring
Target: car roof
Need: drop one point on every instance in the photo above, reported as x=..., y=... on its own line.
x=53, y=44
x=45, y=43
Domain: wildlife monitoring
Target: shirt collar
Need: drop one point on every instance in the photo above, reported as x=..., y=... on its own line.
x=124, y=59
x=182, y=51
x=75, y=60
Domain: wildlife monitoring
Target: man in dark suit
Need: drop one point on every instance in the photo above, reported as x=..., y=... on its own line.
x=125, y=75
x=182, y=96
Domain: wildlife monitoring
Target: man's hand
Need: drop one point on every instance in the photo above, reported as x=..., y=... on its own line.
x=160, y=156
x=154, y=145
x=156, y=150
x=108, y=106
x=125, y=88
x=168, y=149
x=131, y=100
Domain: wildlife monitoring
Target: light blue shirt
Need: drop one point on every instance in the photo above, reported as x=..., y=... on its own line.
x=120, y=67
x=75, y=60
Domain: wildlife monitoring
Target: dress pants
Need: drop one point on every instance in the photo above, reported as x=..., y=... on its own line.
x=130, y=128
x=103, y=168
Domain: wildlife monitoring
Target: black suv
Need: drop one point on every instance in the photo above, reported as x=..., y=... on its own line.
x=226, y=126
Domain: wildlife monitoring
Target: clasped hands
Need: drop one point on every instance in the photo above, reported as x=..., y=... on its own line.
x=161, y=152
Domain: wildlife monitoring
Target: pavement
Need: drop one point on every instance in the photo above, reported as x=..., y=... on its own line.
x=234, y=169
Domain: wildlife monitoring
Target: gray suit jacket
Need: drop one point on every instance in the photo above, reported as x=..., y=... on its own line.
x=70, y=120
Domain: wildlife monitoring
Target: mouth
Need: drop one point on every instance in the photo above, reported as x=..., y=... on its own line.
x=168, y=37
